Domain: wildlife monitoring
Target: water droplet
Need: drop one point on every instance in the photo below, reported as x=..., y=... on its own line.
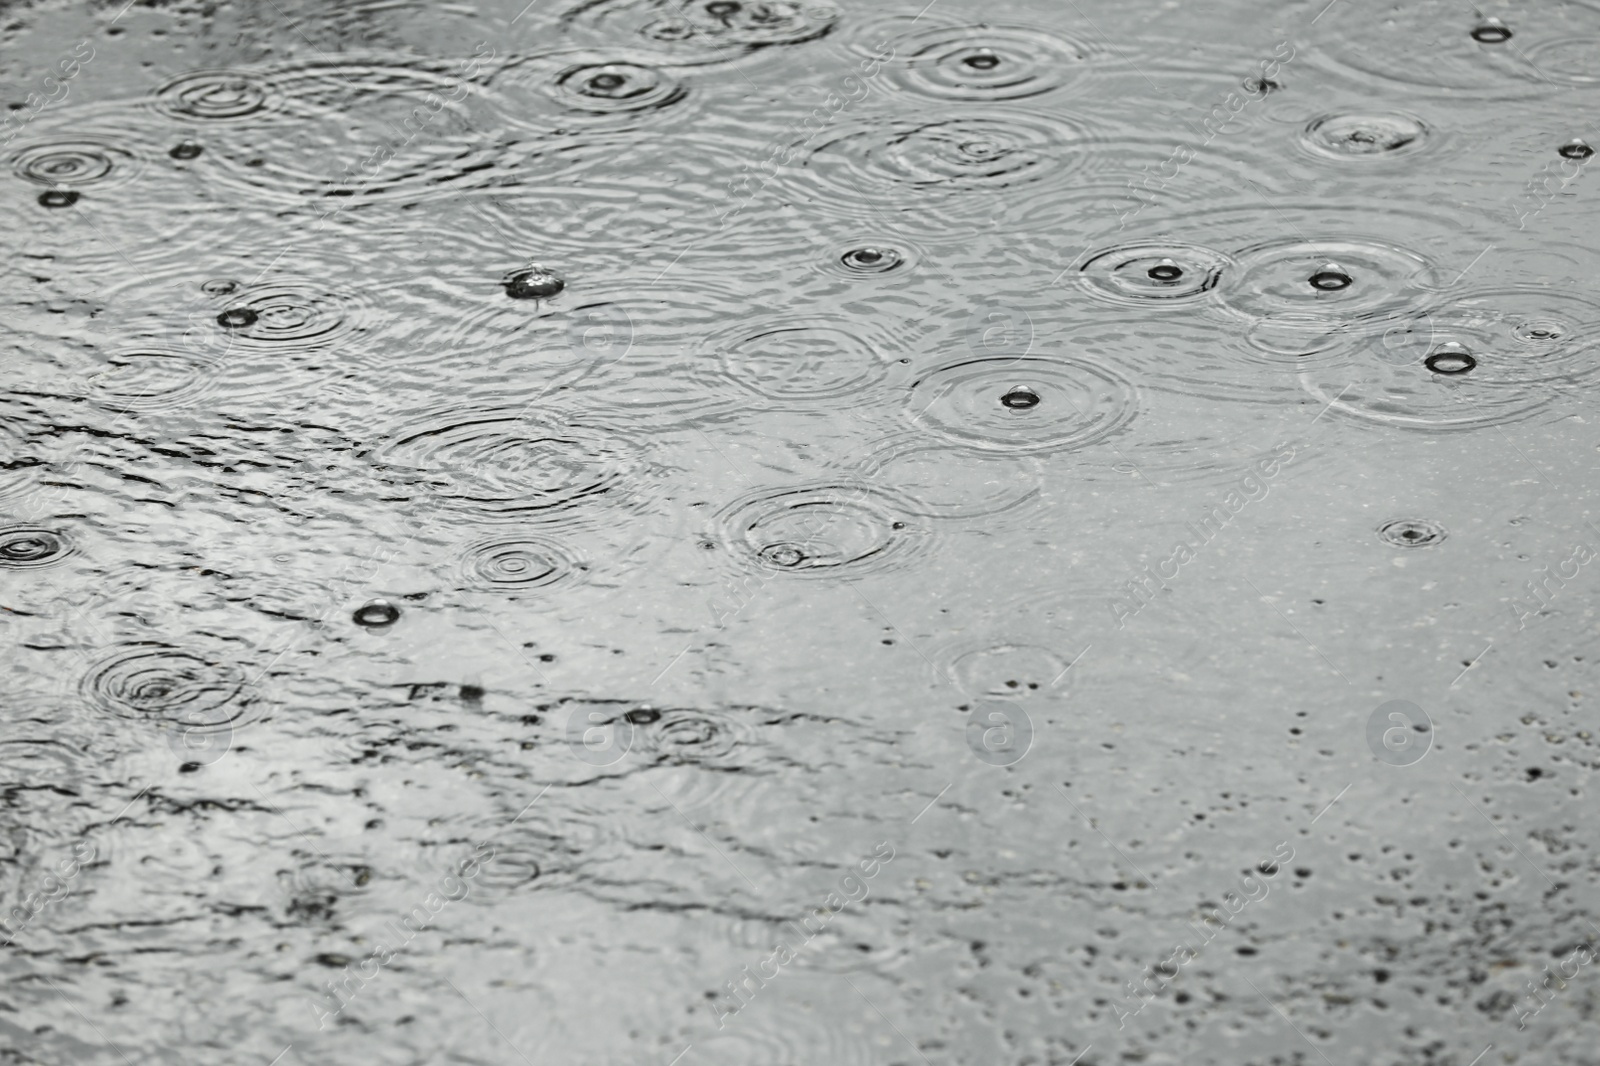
x=982, y=59
x=1491, y=31
x=722, y=8
x=58, y=198
x=1450, y=358
x=1166, y=270
x=185, y=150
x=376, y=614
x=1411, y=532
x=534, y=283
x=1020, y=398
x=1577, y=148
x=237, y=318
x=1330, y=277
x=872, y=260
x=219, y=287
x=784, y=555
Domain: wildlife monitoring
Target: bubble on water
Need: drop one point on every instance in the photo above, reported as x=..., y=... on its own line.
x=70, y=163
x=376, y=614
x=185, y=150
x=216, y=95
x=1078, y=403
x=524, y=561
x=1138, y=273
x=1330, y=277
x=1577, y=148
x=219, y=287
x=872, y=260
x=1411, y=532
x=1020, y=398
x=821, y=530
x=533, y=282
x=985, y=62
x=1365, y=135
x=31, y=548
x=169, y=685
x=1450, y=358
x=1491, y=31
x=58, y=198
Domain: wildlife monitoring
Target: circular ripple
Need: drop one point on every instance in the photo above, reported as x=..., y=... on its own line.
x=76, y=163
x=821, y=530
x=804, y=357
x=31, y=548
x=501, y=463
x=944, y=172
x=951, y=484
x=1488, y=357
x=695, y=737
x=1431, y=45
x=521, y=562
x=148, y=680
x=1366, y=136
x=706, y=31
x=1144, y=274
x=1411, y=533
x=1080, y=403
x=151, y=379
x=616, y=89
x=1308, y=277
x=291, y=313
x=217, y=96
x=1005, y=670
x=989, y=62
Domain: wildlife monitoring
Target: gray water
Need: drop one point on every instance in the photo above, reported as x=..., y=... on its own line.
x=771, y=533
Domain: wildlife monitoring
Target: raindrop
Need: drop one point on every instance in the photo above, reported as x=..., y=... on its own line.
x=1330, y=277
x=237, y=318
x=1411, y=532
x=982, y=59
x=58, y=198
x=1577, y=148
x=871, y=260
x=1491, y=31
x=185, y=150
x=376, y=614
x=1166, y=270
x=1020, y=398
x=1451, y=358
x=722, y=8
x=534, y=283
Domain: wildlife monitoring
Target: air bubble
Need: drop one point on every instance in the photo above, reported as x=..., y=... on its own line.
x=1020, y=398
x=219, y=287
x=872, y=260
x=185, y=150
x=376, y=615
x=1330, y=277
x=1491, y=31
x=982, y=59
x=534, y=283
x=1577, y=148
x=1450, y=358
x=58, y=198
x=237, y=318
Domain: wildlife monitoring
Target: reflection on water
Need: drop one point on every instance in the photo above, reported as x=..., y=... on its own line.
x=512, y=515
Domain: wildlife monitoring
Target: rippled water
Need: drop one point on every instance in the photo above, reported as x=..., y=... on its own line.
x=774, y=532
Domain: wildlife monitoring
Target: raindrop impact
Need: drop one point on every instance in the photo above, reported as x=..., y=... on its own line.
x=1020, y=398
x=185, y=150
x=376, y=615
x=1330, y=277
x=871, y=260
x=1491, y=31
x=1577, y=148
x=58, y=198
x=1411, y=532
x=1166, y=270
x=1451, y=358
x=237, y=318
